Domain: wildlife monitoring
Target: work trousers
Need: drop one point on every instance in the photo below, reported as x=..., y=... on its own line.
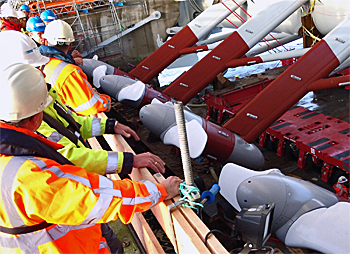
x=113, y=241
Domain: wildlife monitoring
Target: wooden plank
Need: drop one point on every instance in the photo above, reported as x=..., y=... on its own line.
x=201, y=229
x=146, y=235
x=117, y=143
x=143, y=230
x=181, y=218
x=187, y=238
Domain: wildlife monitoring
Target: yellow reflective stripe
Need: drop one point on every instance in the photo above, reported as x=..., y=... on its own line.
x=106, y=187
x=112, y=162
x=90, y=103
x=120, y=161
x=153, y=197
x=99, y=209
x=8, y=177
x=61, y=230
x=28, y=243
x=106, y=192
x=40, y=163
x=96, y=127
x=106, y=105
x=57, y=171
x=104, y=245
x=86, y=82
x=55, y=137
x=56, y=72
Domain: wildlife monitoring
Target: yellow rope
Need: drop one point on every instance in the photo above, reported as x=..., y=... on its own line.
x=315, y=39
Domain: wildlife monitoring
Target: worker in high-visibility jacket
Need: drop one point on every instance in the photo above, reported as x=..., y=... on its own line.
x=9, y=18
x=65, y=127
x=48, y=205
x=340, y=187
x=81, y=128
x=63, y=73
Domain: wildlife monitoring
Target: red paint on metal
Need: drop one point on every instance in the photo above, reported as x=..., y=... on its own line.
x=118, y=71
x=327, y=83
x=152, y=65
x=325, y=138
x=151, y=94
x=283, y=93
x=185, y=87
x=326, y=172
x=218, y=145
x=234, y=100
x=244, y=61
x=193, y=50
x=289, y=61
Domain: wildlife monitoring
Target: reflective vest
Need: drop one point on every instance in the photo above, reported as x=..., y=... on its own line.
x=341, y=190
x=72, y=86
x=63, y=126
x=35, y=189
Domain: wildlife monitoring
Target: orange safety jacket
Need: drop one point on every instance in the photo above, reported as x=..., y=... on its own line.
x=341, y=190
x=72, y=86
x=36, y=190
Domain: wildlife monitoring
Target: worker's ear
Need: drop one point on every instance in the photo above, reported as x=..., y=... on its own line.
x=34, y=122
x=70, y=46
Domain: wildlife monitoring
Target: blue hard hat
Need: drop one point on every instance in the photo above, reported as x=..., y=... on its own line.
x=35, y=24
x=24, y=7
x=48, y=16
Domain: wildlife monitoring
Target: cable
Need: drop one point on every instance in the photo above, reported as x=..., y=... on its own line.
x=212, y=231
x=272, y=251
x=228, y=219
x=236, y=250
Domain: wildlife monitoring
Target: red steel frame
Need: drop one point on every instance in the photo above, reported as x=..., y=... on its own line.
x=323, y=137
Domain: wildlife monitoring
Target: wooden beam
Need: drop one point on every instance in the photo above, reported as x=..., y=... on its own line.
x=143, y=230
x=117, y=143
x=201, y=229
x=188, y=231
x=184, y=238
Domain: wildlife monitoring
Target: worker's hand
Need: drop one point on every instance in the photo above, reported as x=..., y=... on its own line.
x=149, y=160
x=172, y=185
x=125, y=131
x=78, y=60
x=76, y=53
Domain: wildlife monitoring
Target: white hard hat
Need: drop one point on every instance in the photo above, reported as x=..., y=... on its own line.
x=23, y=92
x=16, y=47
x=59, y=32
x=8, y=11
x=342, y=179
x=20, y=14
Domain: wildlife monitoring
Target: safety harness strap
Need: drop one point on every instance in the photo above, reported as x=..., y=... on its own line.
x=25, y=230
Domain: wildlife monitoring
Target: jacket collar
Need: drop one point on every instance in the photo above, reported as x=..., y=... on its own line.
x=50, y=51
x=47, y=142
x=15, y=141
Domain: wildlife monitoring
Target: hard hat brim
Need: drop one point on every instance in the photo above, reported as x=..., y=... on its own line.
x=42, y=61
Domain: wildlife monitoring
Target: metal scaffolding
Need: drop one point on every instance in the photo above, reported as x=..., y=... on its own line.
x=93, y=22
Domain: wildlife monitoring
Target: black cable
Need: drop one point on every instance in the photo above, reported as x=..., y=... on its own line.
x=228, y=219
x=236, y=250
x=136, y=238
x=200, y=213
x=212, y=231
x=272, y=251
